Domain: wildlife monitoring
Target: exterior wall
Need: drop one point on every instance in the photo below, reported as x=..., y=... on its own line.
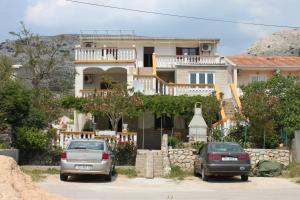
x=185, y=158
x=222, y=75
x=244, y=76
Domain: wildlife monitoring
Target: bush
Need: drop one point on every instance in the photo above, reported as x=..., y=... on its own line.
x=197, y=145
x=32, y=139
x=35, y=147
x=173, y=141
x=125, y=153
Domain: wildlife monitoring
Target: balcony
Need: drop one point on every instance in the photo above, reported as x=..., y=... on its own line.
x=170, y=61
x=106, y=55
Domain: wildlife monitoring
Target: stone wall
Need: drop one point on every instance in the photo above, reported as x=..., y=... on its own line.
x=282, y=156
x=185, y=158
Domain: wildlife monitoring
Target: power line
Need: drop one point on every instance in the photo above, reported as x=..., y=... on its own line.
x=182, y=16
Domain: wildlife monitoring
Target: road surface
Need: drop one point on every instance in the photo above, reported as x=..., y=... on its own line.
x=123, y=188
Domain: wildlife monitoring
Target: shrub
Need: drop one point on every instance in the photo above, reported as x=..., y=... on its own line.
x=197, y=145
x=125, y=153
x=35, y=147
x=173, y=141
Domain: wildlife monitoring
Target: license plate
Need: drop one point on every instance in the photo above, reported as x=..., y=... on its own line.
x=84, y=167
x=229, y=159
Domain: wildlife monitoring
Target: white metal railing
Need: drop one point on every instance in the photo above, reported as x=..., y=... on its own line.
x=169, y=61
x=192, y=91
x=99, y=92
x=154, y=85
x=119, y=137
x=86, y=54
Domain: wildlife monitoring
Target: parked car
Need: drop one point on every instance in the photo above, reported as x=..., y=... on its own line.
x=222, y=159
x=93, y=157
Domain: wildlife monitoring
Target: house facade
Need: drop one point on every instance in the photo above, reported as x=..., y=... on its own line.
x=246, y=69
x=151, y=65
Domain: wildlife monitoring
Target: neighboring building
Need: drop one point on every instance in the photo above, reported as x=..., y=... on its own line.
x=152, y=65
x=259, y=68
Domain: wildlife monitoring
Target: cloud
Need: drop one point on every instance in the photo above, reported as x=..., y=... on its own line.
x=62, y=16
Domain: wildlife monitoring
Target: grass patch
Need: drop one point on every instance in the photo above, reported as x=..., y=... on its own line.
x=39, y=174
x=178, y=174
x=292, y=171
x=128, y=171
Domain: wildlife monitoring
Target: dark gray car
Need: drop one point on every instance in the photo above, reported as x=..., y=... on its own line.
x=222, y=159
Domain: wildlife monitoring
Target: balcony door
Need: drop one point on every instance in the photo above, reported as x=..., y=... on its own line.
x=148, y=51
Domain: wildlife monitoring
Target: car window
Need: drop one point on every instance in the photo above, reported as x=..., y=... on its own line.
x=226, y=147
x=90, y=145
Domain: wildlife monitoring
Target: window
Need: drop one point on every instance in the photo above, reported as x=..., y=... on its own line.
x=189, y=51
x=202, y=78
x=258, y=77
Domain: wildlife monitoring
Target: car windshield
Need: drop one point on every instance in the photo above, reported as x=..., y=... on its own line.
x=91, y=145
x=226, y=147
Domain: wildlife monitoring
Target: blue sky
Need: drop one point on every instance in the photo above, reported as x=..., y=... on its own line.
x=50, y=17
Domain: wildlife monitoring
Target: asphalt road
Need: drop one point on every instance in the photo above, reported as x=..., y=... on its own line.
x=87, y=188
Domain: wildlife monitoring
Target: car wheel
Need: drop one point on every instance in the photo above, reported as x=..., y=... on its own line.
x=113, y=171
x=63, y=177
x=244, y=177
x=108, y=177
x=195, y=171
x=203, y=175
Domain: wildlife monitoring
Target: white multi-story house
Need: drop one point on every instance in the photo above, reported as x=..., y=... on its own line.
x=152, y=65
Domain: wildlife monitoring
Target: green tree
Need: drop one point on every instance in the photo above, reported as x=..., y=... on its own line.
x=271, y=106
x=119, y=101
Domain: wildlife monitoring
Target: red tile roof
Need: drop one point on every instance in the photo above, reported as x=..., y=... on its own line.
x=265, y=61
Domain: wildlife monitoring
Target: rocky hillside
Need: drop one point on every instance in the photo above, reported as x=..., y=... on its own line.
x=284, y=43
x=63, y=78
x=67, y=47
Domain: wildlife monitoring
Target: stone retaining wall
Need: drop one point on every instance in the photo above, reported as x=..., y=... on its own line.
x=184, y=158
x=282, y=156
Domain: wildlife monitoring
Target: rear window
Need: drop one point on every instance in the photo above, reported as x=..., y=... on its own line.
x=226, y=147
x=91, y=145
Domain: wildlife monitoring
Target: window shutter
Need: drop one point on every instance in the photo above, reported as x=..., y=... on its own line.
x=178, y=51
x=198, y=51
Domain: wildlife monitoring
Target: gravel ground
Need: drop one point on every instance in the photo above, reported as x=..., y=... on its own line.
x=159, y=188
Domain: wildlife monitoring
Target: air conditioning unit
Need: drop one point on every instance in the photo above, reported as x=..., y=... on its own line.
x=206, y=47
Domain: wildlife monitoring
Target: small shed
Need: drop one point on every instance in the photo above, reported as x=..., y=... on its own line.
x=197, y=126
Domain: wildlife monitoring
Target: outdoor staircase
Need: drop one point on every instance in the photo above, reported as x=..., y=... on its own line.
x=229, y=108
x=149, y=163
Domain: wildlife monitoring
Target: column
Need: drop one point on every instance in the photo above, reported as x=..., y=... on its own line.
x=78, y=81
x=235, y=77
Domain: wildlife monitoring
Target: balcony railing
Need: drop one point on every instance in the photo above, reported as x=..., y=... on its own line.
x=169, y=61
x=105, y=54
x=154, y=85
x=96, y=92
